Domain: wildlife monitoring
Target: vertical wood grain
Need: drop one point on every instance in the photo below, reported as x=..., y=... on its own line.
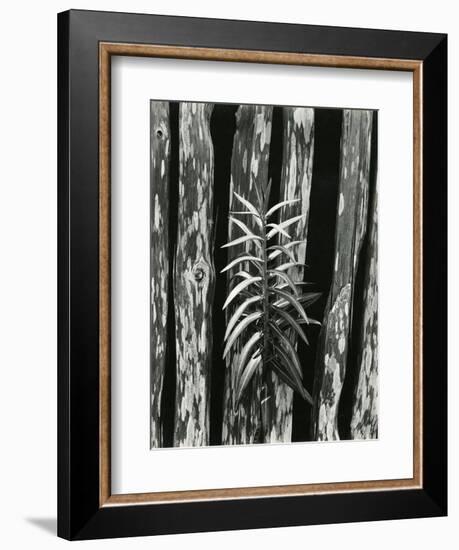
x=296, y=178
x=351, y=220
x=249, y=168
x=364, y=422
x=159, y=258
x=194, y=274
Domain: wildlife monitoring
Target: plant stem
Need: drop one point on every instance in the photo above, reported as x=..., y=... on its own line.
x=265, y=312
x=265, y=292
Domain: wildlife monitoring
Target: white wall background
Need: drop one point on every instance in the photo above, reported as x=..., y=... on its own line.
x=28, y=270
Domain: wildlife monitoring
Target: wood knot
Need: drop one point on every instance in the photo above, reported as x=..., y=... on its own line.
x=198, y=273
x=201, y=272
x=159, y=133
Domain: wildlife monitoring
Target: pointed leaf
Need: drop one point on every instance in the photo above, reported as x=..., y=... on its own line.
x=284, y=359
x=314, y=322
x=292, y=220
x=284, y=376
x=307, y=299
x=277, y=229
x=292, y=300
x=291, y=244
x=239, y=311
x=286, y=363
x=254, y=290
x=278, y=250
x=240, y=286
x=246, y=376
x=244, y=239
x=306, y=395
x=310, y=321
x=288, y=280
x=290, y=322
x=246, y=352
x=245, y=253
x=297, y=283
x=249, y=207
x=296, y=386
x=284, y=341
x=280, y=205
x=241, y=225
x=282, y=287
x=243, y=274
x=288, y=265
x=288, y=245
x=281, y=226
x=241, y=259
x=240, y=327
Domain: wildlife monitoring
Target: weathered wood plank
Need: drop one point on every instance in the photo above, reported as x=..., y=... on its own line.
x=350, y=230
x=194, y=276
x=296, y=178
x=249, y=168
x=159, y=258
x=364, y=422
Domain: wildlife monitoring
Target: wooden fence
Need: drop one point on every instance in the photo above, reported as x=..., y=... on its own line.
x=188, y=276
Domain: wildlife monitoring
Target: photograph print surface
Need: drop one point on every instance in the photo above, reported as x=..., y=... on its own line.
x=264, y=287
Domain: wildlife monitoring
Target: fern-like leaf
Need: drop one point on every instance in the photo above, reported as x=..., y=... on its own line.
x=269, y=310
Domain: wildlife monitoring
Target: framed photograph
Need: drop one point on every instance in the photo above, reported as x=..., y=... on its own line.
x=252, y=274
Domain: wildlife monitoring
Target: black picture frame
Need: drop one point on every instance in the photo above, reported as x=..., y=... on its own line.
x=80, y=515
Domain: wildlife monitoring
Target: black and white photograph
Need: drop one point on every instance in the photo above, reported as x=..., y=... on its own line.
x=229, y=301
x=264, y=274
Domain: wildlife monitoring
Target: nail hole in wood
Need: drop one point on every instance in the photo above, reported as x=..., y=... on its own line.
x=159, y=134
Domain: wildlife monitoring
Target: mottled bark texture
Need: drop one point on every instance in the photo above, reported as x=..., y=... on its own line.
x=249, y=168
x=194, y=276
x=296, y=177
x=350, y=230
x=159, y=258
x=364, y=423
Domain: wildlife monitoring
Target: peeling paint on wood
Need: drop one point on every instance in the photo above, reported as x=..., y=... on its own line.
x=364, y=422
x=159, y=258
x=296, y=178
x=194, y=279
x=249, y=168
x=350, y=230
